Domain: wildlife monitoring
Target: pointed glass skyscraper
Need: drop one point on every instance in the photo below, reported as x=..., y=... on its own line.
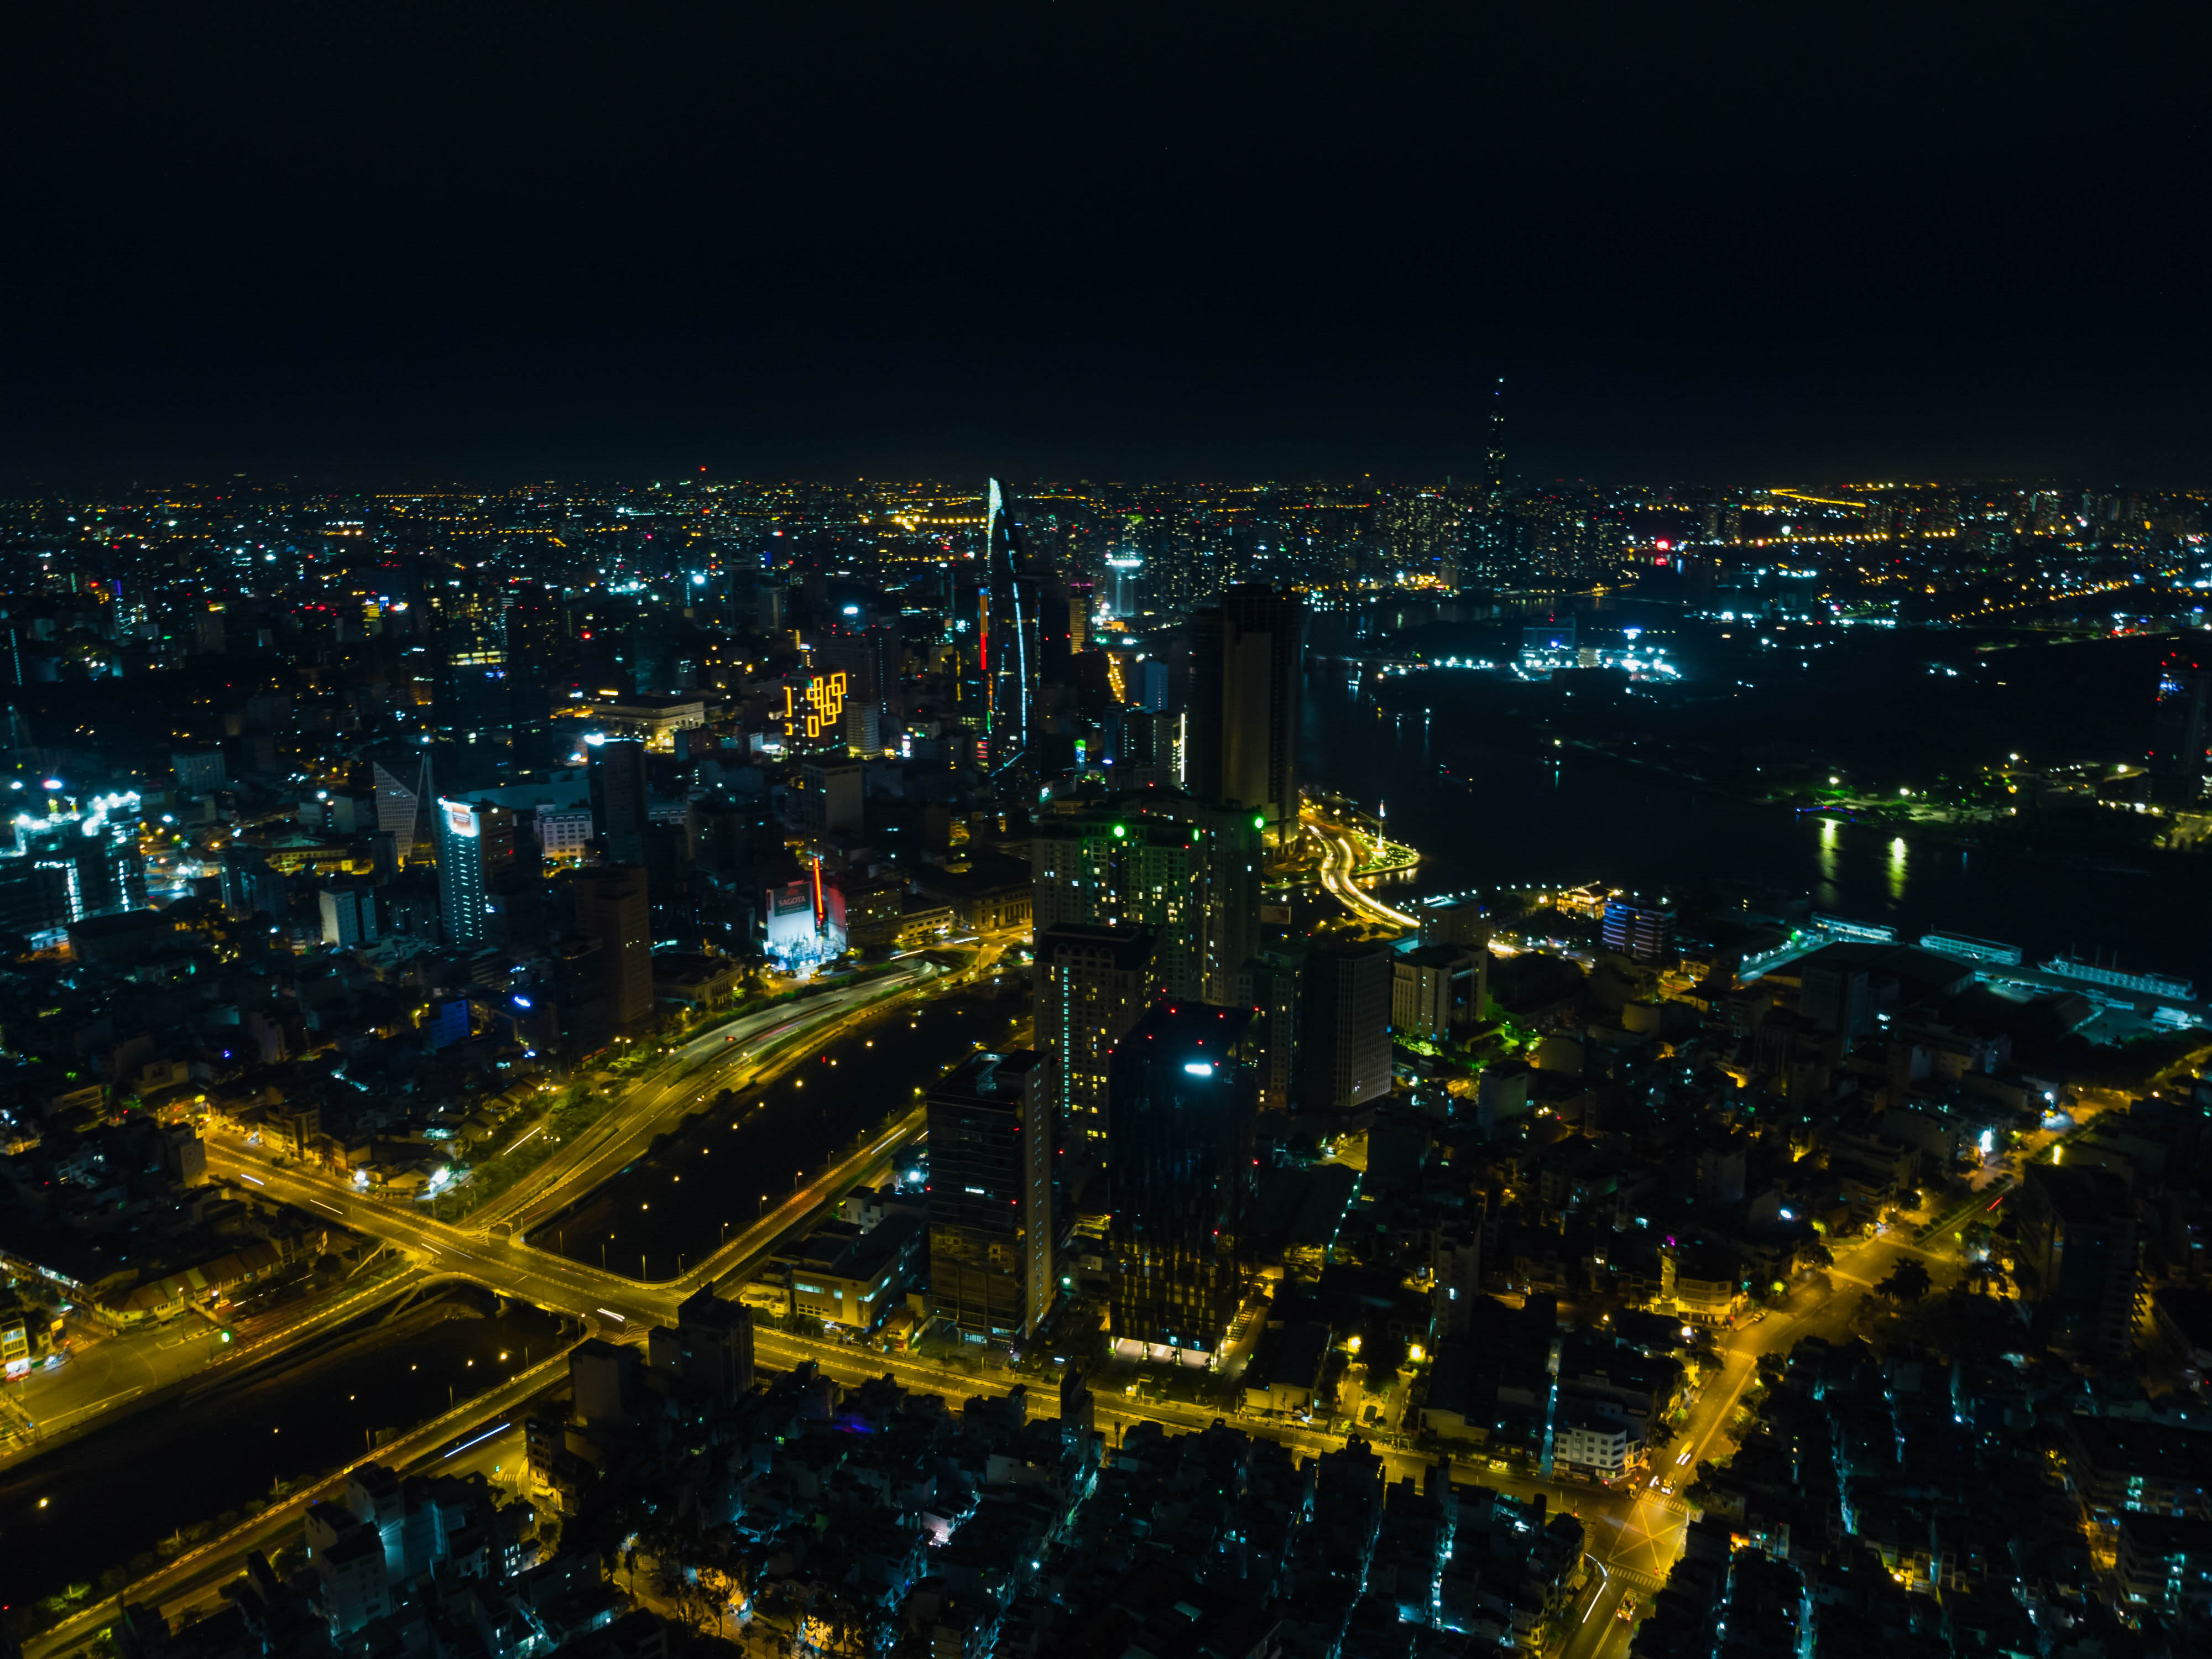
x=1015, y=641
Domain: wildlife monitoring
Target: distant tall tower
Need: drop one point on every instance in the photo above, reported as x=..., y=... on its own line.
x=1010, y=651
x=2181, y=723
x=1490, y=531
x=1247, y=699
x=1494, y=479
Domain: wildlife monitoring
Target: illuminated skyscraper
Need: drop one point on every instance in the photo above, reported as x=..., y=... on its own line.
x=1026, y=636
x=72, y=863
x=1120, y=870
x=1126, y=589
x=1182, y=1097
x=1092, y=984
x=1639, y=927
x=1003, y=652
x=461, y=872
x=1186, y=872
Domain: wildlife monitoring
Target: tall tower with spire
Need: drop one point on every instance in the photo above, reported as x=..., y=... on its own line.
x=1496, y=478
x=1490, y=534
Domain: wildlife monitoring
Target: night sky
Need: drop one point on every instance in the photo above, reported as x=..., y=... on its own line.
x=379, y=242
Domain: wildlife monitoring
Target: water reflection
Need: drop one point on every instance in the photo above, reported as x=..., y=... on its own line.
x=1897, y=868
x=1501, y=814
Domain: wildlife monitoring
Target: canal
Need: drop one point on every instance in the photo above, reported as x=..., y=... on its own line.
x=109, y=1502
x=727, y=1168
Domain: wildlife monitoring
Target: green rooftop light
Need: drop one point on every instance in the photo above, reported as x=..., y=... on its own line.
x=1120, y=830
x=1259, y=822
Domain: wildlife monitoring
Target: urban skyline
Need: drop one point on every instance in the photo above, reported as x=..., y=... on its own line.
x=1055, y=831
x=750, y=942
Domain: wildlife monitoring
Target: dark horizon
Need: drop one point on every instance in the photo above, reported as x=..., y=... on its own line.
x=491, y=244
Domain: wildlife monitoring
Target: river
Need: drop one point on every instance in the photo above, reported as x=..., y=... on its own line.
x=1488, y=815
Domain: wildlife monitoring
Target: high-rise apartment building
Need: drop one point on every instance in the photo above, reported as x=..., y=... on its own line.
x=1246, y=697
x=618, y=798
x=1231, y=852
x=1434, y=988
x=1152, y=686
x=715, y=1342
x=1092, y=984
x=1186, y=872
x=1454, y=920
x=1269, y=985
x=612, y=912
x=1120, y=870
x=349, y=912
x=1343, y=1028
x=1183, y=1097
x=990, y=1195
x=460, y=873
x=833, y=803
x=2078, y=1242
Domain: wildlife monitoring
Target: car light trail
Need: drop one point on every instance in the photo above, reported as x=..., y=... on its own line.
x=479, y=1441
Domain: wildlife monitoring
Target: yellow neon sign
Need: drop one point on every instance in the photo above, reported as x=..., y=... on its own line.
x=820, y=709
